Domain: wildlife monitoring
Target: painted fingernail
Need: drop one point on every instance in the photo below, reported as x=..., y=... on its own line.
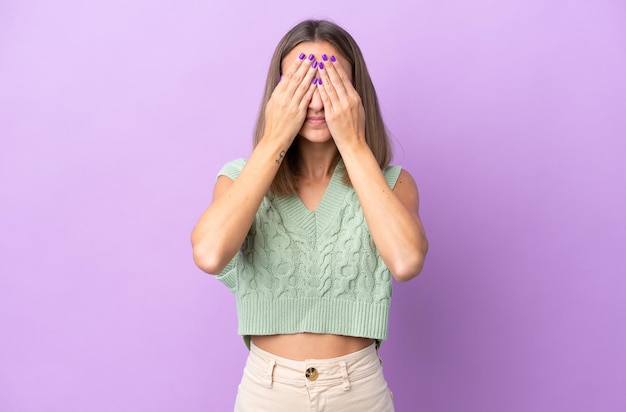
x=319, y=81
x=314, y=65
x=301, y=57
x=324, y=57
x=333, y=59
x=321, y=66
x=315, y=81
x=311, y=56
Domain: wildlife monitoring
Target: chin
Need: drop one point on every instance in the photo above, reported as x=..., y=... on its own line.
x=315, y=136
x=317, y=139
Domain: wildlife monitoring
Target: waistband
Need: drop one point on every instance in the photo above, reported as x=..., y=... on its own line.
x=345, y=369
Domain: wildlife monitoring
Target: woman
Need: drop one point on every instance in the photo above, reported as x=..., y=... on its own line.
x=309, y=230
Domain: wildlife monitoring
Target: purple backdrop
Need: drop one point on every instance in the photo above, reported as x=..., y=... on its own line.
x=115, y=117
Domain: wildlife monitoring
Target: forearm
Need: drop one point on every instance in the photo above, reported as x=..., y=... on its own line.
x=393, y=222
x=223, y=226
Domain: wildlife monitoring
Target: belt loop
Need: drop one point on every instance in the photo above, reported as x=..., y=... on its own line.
x=344, y=375
x=270, y=373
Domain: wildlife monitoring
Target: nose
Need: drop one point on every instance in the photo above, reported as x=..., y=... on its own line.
x=316, y=103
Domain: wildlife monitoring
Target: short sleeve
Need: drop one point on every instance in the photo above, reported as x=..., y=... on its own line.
x=232, y=169
x=392, y=173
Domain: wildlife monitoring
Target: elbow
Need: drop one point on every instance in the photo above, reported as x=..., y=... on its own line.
x=212, y=253
x=408, y=271
x=206, y=258
x=409, y=266
x=205, y=262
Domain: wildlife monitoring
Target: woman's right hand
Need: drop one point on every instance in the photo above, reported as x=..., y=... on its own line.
x=287, y=107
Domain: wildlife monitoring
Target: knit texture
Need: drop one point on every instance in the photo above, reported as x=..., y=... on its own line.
x=310, y=271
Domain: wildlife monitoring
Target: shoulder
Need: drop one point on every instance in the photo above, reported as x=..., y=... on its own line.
x=392, y=174
x=406, y=188
x=227, y=175
x=232, y=169
x=401, y=181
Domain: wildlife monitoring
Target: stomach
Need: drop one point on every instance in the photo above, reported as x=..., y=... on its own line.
x=302, y=346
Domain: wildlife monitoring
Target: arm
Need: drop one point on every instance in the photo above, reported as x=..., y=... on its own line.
x=223, y=226
x=392, y=215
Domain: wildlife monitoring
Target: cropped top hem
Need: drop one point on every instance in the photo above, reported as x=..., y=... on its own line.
x=349, y=318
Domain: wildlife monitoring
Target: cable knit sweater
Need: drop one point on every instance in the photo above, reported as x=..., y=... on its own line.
x=310, y=271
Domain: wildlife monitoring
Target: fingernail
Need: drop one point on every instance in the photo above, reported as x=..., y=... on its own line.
x=314, y=65
x=333, y=59
x=324, y=57
x=302, y=55
x=321, y=66
x=280, y=78
x=311, y=56
x=319, y=81
x=315, y=81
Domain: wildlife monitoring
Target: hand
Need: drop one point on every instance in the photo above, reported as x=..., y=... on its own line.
x=286, y=109
x=343, y=109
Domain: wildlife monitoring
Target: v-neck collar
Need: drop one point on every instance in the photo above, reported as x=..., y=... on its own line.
x=295, y=210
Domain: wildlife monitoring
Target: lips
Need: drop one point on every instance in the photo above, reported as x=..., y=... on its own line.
x=316, y=119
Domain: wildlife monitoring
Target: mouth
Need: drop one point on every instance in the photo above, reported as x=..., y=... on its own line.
x=316, y=120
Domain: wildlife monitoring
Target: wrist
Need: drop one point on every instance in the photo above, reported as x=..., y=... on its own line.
x=354, y=148
x=274, y=147
x=277, y=136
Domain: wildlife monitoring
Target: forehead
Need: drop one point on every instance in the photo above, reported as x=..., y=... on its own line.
x=317, y=48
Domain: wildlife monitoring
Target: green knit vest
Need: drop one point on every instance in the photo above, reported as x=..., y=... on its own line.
x=310, y=271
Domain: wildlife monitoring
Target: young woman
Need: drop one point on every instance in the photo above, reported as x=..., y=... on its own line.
x=310, y=229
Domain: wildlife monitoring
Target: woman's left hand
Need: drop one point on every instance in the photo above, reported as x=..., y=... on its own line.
x=343, y=109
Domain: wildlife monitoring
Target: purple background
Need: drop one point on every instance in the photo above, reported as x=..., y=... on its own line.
x=115, y=117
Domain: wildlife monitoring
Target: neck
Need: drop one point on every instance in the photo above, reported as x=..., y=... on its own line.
x=316, y=160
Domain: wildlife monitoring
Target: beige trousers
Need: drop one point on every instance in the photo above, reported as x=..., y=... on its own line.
x=354, y=382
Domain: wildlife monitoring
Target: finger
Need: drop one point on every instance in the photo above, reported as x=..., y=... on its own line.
x=306, y=99
x=337, y=76
x=333, y=85
x=326, y=86
x=322, y=89
x=286, y=75
x=298, y=74
x=307, y=80
x=293, y=67
x=339, y=69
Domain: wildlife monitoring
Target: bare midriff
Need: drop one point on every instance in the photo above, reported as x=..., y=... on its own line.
x=302, y=346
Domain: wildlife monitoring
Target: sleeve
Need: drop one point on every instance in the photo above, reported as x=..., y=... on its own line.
x=391, y=174
x=232, y=169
